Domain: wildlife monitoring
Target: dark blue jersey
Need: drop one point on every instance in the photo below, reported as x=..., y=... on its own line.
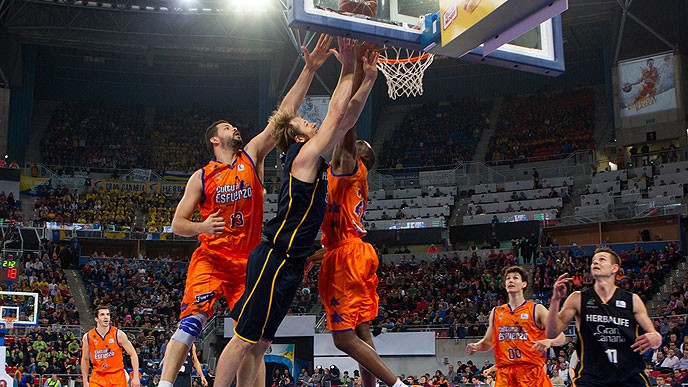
x=607, y=331
x=300, y=210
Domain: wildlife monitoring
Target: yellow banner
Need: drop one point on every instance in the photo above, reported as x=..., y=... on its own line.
x=115, y=234
x=457, y=16
x=150, y=187
x=28, y=183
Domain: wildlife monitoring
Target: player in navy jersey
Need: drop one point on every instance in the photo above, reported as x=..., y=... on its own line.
x=609, y=321
x=275, y=267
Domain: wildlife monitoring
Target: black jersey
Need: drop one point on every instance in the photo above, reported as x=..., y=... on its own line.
x=607, y=331
x=187, y=366
x=300, y=210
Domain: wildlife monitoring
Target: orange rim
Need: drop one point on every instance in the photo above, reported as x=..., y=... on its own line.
x=412, y=59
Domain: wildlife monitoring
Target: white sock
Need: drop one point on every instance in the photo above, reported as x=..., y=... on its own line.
x=398, y=383
x=164, y=383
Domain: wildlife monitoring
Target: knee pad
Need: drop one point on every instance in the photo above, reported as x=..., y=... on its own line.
x=189, y=329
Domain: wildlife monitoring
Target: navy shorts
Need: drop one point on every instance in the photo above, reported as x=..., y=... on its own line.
x=272, y=281
x=637, y=380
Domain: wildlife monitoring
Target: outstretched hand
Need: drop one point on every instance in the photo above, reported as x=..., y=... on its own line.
x=314, y=60
x=370, y=64
x=346, y=54
x=559, y=291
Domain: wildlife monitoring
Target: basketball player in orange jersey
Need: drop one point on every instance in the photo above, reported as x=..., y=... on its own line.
x=229, y=193
x=347, y=282
x=516, y=334
x=103, y=346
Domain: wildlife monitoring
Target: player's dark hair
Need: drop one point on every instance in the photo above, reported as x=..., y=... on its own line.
x=609, y=251
x=211, y=132
x=99, y=308
x=515, y=269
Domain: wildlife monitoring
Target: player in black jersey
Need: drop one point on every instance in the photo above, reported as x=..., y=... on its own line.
x=608, y=320
x=191, y=362
x=275, y=267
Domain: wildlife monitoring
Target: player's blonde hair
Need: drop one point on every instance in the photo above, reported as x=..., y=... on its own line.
x=283, y=131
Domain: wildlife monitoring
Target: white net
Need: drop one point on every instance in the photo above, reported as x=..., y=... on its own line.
x=404, y=70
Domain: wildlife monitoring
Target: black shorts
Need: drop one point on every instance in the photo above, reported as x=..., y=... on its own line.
x=637, y=380
x=182, y=381
x=272, y=281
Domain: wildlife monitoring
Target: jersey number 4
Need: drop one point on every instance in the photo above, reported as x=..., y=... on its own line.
x=237, y=219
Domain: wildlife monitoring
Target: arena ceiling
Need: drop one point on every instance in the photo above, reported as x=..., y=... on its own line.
x=223, y=39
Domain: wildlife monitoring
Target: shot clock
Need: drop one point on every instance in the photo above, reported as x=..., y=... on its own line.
x=9, y=269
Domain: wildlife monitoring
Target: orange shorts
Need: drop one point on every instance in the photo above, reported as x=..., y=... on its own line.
x=522, y=376
x=210, y=276
x=348, y=285
x=109, y=379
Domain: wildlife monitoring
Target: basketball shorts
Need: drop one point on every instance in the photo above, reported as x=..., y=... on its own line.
x=183, y=380
x=209, y=277
x=272, y=281
x=522, y=376
x=110, y=379
x=637, y=380
x=348, y=285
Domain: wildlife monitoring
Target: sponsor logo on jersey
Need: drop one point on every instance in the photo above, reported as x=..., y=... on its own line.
x=512, y=333
x=230, y=193
x=524, y=316
x=621, y=304
x=204, y=297
x=102, y=354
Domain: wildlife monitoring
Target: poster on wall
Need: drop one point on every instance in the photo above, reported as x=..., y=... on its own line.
x=647, y=85
x=280, y=356
x=314, y=108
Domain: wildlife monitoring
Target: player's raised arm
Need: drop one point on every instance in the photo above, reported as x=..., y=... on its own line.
x=358, y=101
x=557, y=321
x=330, y=131
x=485, y=344
x=129, y=348
x=182, y=223
x=651, y=339
x=263, y=143
x=85, y=363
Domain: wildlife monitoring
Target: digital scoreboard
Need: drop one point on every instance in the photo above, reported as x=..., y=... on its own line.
x=9, y=268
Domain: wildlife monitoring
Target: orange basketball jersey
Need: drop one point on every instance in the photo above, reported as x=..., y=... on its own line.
x=513, y=335
x=106, y=353
x=236, y=190
x=347, y=199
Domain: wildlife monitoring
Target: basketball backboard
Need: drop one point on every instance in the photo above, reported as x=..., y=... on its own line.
x=21, y=308
x=521, y=34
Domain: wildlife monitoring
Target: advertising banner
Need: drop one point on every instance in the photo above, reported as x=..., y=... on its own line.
x=647, y=85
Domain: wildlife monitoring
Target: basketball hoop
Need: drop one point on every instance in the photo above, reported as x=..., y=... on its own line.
x=404, y=71
x=8, y=322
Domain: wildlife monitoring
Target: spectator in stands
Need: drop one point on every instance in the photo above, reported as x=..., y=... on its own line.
x=28, y=380
x=662, y=382
x=53, y=381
